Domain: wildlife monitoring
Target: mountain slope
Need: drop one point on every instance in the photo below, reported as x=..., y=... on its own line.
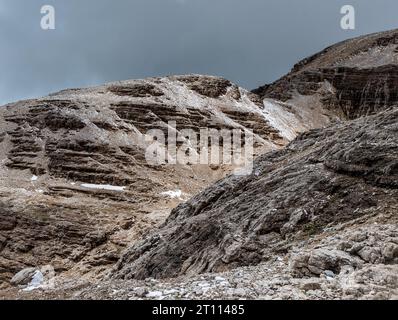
x=353, y=78
x=76, y=186
x=324, y=178
x=315, y=219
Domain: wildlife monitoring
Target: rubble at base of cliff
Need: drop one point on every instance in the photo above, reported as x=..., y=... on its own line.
x=280, y=278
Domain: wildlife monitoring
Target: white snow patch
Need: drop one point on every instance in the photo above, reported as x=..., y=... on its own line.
x=102, y=187
x=173, y=194
x=220, y=279
x=282, y=120
x=34, y=178
x=154, y=294
x=36, y=281
x=204, y=284
x=171, y=291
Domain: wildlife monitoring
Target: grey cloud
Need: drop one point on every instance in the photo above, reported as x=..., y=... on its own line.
x=250, y=42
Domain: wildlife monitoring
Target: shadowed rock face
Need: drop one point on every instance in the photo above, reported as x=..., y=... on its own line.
x=209, y=87
x=354, y=78
x=323, y=178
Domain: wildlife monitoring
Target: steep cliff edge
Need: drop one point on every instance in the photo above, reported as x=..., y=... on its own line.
x=353, y=78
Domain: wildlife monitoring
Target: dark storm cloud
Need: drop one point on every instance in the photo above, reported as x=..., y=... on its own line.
x=250, y=42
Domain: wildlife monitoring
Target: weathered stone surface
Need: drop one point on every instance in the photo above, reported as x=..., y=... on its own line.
x=321, y=261
x=354, y=78
x=207, y=86
x=23, y=277
x=323, y=178
x=51, y=147
x=136, y=90
x=316, y=220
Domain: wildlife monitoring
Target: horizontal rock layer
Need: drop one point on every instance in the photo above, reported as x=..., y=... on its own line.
x=52, y=148
x=323, y=178
x=354, y=78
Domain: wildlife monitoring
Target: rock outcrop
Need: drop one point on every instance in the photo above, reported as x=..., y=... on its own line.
x=76, y=186
x=316, y=218
x=326, y=177
x=353, y=78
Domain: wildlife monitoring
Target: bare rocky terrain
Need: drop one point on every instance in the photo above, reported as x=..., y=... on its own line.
x=325, y=177
x=76, y=187
x=353, y=78
x=316, y=219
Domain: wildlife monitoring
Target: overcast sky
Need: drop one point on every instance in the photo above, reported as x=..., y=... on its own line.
x=251, y=42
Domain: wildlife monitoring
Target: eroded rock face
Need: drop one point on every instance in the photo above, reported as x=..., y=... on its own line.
x=75, y=184
x=355, y=78
x=317, y=219
x=373, y=243
x=208, y=86
x=139, y=90
x=324, y=178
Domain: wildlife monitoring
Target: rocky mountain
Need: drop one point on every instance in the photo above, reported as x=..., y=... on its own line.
x=316, y=218
x=342, y=175
x=326, y=183
x=76, y=185
x=353, y=78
